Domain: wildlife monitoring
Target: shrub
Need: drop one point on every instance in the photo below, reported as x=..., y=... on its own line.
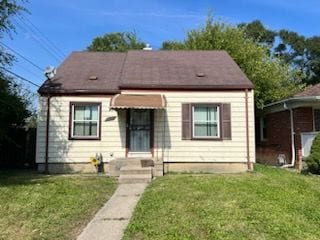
x=313, y=160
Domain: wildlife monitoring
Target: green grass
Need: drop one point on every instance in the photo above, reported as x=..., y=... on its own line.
x=35, y=206
x=268, y=204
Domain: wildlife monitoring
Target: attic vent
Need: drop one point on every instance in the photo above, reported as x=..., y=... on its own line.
x=200, y=74
x=92, y=78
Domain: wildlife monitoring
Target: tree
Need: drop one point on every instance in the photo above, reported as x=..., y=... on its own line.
x=313, y=160
x=13, y=104
x=173, y=45
x=7, y=10
x=313, y=63
x=116, y=41
x=273, y=80
x=258, y=33
x=299, y=52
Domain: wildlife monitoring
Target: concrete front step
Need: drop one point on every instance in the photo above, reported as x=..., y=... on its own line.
x=116, y=165
x=135, y=178
x=133, y=169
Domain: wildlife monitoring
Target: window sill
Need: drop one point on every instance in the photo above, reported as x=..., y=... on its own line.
x=207, y=138
x=85, y=138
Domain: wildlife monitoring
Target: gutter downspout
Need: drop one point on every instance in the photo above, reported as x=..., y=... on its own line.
x=293, y=152
x=46, y=168
x=247, y=130
x=163, y=138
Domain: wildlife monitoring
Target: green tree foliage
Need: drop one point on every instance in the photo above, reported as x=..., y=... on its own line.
x=173, y=45
x=299, y=52
x=116, y=41
x=7, y=10
x=273, y=80
x=313, y=160
x=13, y=104
x=257, y=32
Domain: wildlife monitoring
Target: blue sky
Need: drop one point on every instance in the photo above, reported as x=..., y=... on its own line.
x=71, y=25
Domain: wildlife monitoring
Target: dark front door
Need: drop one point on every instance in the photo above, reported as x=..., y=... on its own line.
x=139, y=130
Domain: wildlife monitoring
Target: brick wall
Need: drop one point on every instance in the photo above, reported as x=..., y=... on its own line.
x=303, y=122
x=279, y=138
x=279, y=135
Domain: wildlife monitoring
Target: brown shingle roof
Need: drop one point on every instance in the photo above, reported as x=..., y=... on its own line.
x=310, y=91
x=148, y=70
x=75, y=72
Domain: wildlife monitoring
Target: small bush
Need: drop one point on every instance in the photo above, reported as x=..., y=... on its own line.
x=313, y=161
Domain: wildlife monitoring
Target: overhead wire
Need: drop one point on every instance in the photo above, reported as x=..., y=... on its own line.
x=28, y=70
x=20, y=65
x=44, y=42
x=23, y=57
x=54, y=46
x=36, y=39
x=20, y=77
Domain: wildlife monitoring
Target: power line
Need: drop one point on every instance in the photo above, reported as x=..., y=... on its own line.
x=20, y=77
x=40, y=37
x=32, y=35
x=58, y=50
x=19, y=54
x=28, y=70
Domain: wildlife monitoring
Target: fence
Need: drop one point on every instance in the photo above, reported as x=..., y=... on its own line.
x=18, y=149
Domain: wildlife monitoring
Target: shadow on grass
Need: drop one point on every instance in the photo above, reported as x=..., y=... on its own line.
x=21, y=177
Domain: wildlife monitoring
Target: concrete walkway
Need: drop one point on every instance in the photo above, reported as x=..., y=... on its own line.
x=114, y=216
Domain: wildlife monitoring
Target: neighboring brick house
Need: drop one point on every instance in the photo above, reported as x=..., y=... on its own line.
x=184, y=110
x=285, y=129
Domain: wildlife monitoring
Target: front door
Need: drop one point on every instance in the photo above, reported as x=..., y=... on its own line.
x=139, y=130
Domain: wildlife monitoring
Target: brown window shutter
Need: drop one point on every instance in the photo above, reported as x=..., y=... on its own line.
x=226, y=121
x=186, y=121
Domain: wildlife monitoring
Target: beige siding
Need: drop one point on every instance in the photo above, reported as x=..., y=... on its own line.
x=168, y=143
x=177, y=150
x=111, y=145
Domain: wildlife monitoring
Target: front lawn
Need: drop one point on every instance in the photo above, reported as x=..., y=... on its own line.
x=268, y=203
x=35, y=206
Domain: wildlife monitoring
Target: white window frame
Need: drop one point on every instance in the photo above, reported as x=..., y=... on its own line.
x=212, y=121
x=75, y=104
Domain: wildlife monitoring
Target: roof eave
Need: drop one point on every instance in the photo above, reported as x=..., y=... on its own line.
x=290, y=103
x=45, y=92
x=184, y=87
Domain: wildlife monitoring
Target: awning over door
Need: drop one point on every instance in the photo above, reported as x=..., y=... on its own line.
x=148, y=101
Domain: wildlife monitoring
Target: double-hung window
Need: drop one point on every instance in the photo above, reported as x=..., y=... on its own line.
x=85, y=120
x=206, y=121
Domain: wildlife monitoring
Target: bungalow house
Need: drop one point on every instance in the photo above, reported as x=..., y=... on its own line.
x=286, y=129
x=180, y=110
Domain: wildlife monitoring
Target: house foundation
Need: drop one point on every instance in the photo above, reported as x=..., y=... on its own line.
x=211, y=167
x=72, y=168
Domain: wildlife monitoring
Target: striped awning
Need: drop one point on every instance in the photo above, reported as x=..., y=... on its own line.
x=147, y=101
